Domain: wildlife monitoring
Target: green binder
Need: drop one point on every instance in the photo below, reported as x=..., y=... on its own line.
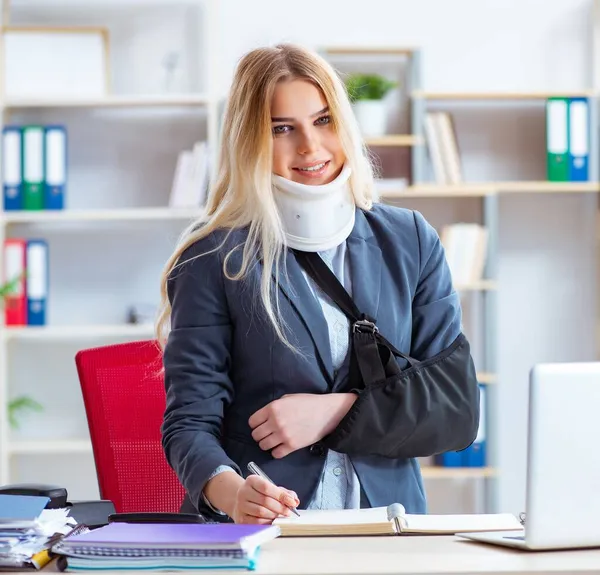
x=557, y=139
x=32, y=158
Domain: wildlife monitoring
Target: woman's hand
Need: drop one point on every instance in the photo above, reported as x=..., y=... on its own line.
x=259, y=501
x=298, y=420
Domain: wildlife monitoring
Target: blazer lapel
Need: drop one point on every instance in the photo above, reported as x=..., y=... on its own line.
x=365, y=266
x=302, y=299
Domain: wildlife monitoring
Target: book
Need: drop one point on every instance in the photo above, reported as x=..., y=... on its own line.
x=465, y=247
x=390, y=520
x=168, y=538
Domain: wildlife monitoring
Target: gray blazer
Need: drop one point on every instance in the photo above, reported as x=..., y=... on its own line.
x=223, y=360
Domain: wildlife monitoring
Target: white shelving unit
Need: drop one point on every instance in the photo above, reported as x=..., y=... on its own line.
x=407, y=117
x=469, y=201
x=122, y=154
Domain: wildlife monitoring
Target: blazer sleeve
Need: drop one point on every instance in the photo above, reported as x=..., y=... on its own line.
x=428, y=408
x=197, y=363
x=437, y=316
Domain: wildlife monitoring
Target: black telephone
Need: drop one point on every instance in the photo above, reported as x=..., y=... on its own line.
x=57, y=495
x=95, y=513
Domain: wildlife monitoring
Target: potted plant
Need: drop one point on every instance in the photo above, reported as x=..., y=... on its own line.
x=21, y=403
x=367, y=93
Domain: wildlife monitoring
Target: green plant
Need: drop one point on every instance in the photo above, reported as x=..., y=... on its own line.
x=368, y=86
x=9, y=287
x=23, y=402
x=18, y=405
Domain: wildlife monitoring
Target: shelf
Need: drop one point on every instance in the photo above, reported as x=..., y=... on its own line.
x=367, y=51
x=440, y=191
x=136, y=100
x=138, y=214
x=480, y=189
x=482, y=285
x=487, y=378
x=501, y=95
x=438, y=472
x=547, y=187
x=74, y=332
x=45, y=447
x=395, y=140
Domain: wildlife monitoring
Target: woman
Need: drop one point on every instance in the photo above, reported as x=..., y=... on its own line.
x=257, y=360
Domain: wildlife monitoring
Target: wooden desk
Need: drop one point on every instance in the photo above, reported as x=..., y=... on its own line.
x=400, y=555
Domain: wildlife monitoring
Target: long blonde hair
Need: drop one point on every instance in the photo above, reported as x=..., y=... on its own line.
x=242, y=193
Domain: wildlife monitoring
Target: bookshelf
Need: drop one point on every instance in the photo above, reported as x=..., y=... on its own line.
x=50, y=447
x=491, y=96
x=394, y=140
x=473, y=190
x=483, y=196
x=77, y=332
x=99, y=215
x=118, y=101
x=426, y=193
x=122, y=152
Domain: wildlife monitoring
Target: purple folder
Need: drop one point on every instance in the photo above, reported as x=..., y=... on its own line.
x=215, y=536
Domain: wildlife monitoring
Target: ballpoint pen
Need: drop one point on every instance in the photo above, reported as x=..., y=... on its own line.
x=256, y=470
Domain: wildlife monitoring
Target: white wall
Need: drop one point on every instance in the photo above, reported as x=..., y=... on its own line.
x=467, y=44
x=547, y=295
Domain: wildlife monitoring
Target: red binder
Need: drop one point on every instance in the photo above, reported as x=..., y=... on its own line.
x=15, y=266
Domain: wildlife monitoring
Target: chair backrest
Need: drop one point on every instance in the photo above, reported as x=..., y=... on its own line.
x=124, y=399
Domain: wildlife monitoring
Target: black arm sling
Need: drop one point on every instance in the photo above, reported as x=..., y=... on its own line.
x=429, y=408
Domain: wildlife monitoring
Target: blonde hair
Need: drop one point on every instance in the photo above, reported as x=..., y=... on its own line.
x=242, y=193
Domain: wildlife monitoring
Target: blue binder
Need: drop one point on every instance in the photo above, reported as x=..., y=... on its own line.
x=11, y=167
x=475, y=454
x=579, y=139
x=451, y=459
x=55, y=144
x=37, y=281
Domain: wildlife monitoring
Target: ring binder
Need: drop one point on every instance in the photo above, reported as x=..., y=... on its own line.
x=395, y=512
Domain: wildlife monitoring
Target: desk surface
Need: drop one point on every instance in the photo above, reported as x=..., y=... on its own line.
x=396, y=554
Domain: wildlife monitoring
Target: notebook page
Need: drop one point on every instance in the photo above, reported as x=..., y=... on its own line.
x=336, y=517
x=337, y=522
x=461, y=523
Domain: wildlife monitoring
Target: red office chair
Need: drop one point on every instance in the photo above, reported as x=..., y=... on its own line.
x=124, y=399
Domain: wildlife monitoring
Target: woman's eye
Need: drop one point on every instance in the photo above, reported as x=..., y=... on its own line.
x=323, y=120
x=277, y=130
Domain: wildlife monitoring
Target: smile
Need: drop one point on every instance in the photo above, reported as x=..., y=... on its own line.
x=315, y=168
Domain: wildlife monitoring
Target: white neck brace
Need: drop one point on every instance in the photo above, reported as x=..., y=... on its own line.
x=315, y=218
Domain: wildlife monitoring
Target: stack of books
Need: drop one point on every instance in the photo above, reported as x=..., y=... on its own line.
x=465, y=246
x=28, y=531
x=443, y=148
x=178, y=546
x=190, y=181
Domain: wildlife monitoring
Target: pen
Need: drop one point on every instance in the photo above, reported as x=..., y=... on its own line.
x=256, y=470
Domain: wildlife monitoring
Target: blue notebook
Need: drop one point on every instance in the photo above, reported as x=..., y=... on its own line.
x=21, y=510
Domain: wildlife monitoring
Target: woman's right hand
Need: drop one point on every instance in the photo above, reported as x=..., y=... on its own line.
x=259, y=501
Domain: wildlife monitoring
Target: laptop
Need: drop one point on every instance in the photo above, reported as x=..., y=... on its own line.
x=563, y=461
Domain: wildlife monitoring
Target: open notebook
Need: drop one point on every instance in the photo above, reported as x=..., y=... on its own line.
x=391, y=520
